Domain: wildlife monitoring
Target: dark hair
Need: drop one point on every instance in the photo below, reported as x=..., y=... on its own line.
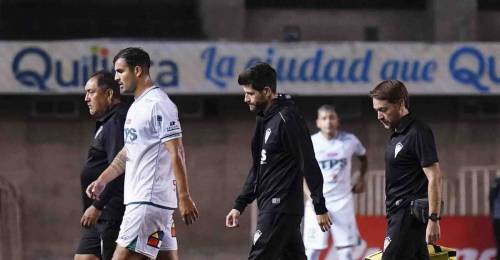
x=106, y=80
x=134, y=57
x=393, y=91
x=259, y=76
x=326, y=108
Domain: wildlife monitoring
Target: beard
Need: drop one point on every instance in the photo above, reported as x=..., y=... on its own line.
x=257, y=106
x=130, y=89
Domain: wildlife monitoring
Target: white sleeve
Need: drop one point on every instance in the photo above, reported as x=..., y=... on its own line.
x=165, y=121
x=359, y=149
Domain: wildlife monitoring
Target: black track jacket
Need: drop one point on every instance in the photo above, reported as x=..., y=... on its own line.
x=283, y=155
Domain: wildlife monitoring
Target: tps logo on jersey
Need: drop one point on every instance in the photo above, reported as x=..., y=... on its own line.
x=154, y=239
x=268, y=133
x=130, y=134
x=332, y=163
x=398, y=148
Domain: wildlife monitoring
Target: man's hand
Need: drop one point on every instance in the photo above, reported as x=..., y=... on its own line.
x=324, y=222
x=95, y=189
x=433, y=232
x=359, y=186
x=233, y=219
x=188, y=210
x=90, y=216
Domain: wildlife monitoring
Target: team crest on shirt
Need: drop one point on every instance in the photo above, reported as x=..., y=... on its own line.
x=98, y=132
x=397, y=149
x=387, y=241
x=268, y=133
x=155, y=239
x=256, y=236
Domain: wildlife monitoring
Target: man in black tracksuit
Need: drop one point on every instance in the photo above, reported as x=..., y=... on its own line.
x=102, y=218
x=412, y=173
x=282, y=157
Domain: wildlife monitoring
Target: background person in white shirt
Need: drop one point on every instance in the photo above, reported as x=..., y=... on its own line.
x=333, y=150
x=153, y=156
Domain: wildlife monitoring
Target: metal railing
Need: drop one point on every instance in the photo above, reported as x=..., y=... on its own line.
x=464, y=194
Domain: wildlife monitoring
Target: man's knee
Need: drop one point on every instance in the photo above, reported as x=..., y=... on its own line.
x=345, y=252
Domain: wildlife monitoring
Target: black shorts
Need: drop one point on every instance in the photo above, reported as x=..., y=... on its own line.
x=405, y=237
x=90, y=239
x=278, y=237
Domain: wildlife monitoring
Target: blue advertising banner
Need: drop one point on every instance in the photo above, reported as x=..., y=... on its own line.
x=354, y=68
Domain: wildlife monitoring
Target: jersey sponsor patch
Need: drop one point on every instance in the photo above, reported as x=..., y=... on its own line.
x=397, y=149
x=275, y=200
x=155, y=239
x=332, y=163
x=172, y=126
x=130, y=134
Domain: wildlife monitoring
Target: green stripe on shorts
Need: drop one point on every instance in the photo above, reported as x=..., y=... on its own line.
x=132, y=245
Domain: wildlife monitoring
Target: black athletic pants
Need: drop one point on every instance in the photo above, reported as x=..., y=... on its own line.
x=405, y=237
x=278, y=237
x=496, y=231
x=90, y=239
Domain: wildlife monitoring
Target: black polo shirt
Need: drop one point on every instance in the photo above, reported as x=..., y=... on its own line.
x=106, y=143
x=410, y=148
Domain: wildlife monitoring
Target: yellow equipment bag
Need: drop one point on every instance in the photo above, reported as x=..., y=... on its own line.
x=435, y=252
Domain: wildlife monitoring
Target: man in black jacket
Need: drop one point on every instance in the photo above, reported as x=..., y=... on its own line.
x=101, y=218
x=282, y=156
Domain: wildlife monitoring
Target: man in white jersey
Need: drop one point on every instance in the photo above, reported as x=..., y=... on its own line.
x=334, y=150
x=153, y=156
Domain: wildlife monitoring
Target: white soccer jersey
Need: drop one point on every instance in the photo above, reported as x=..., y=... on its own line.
x=334, y=159
x=149, y=179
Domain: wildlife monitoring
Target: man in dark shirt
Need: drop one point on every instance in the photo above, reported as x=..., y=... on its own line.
x=412, y=172
x=101, y=218
x=282, y=156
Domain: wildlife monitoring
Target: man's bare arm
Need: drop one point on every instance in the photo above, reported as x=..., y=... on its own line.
x=359, y=185
x=433, y=173
x=116, y=168
x=187, y=207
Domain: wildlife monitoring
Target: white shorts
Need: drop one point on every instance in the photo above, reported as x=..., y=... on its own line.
x=344, y=229
x=147, y=229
